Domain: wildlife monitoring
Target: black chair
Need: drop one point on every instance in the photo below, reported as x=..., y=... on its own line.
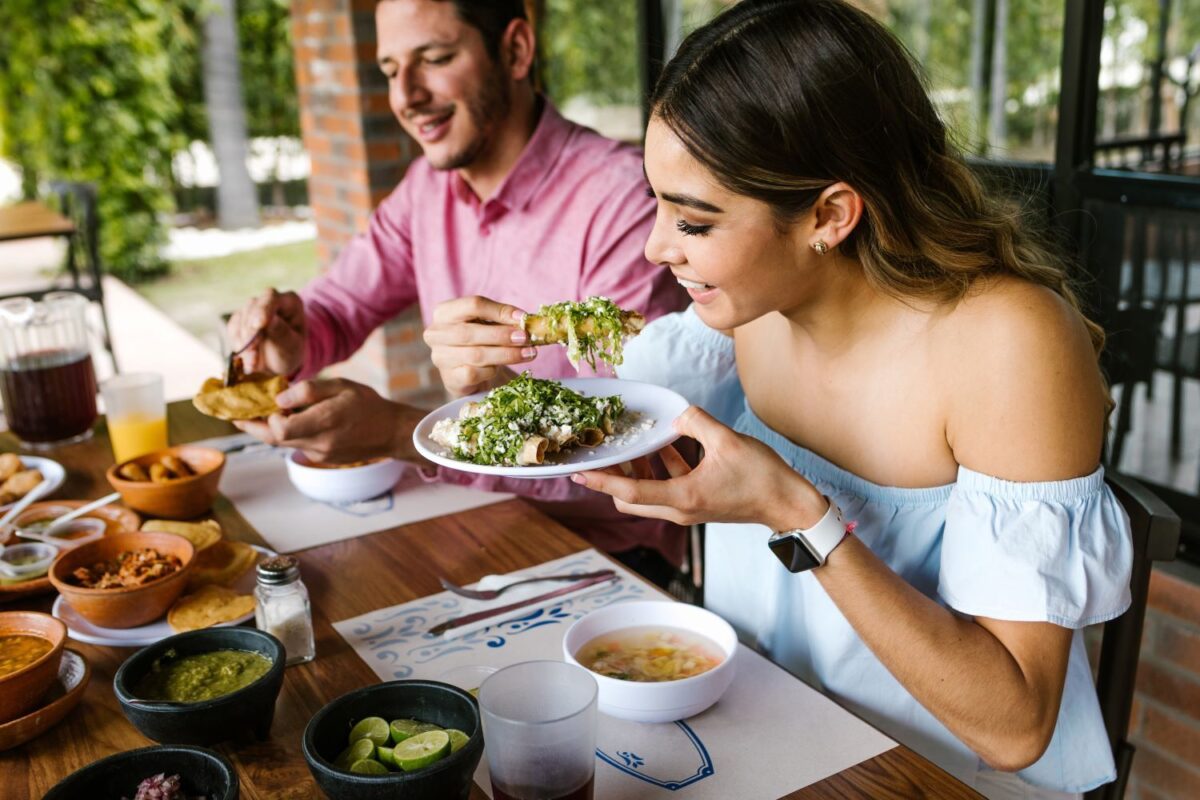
x=77, y=202
x=1155, y=530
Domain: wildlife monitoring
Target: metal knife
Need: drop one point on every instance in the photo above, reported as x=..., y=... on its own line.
x=457, y=622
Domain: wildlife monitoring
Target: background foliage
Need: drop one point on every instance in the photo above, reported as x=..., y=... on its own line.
x=107, y=91
x=85, y=95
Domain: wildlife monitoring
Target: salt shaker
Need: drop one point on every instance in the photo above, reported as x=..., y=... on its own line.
x=281, y=607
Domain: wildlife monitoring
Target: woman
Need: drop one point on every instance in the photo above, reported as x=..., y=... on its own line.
x=908, y=354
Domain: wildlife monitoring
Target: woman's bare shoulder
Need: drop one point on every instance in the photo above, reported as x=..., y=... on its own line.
x=1026, y=400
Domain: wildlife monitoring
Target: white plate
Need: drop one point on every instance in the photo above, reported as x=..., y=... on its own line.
x=84, y=631
x=52, y=472
x=654, y=403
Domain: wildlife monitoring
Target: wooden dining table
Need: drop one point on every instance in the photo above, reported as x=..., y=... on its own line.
x=346, y=579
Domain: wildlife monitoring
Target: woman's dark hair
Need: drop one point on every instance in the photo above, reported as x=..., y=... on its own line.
x=781, y=98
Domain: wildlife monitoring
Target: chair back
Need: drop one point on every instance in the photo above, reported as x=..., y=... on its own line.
x=77, y=202
x=1155, y=529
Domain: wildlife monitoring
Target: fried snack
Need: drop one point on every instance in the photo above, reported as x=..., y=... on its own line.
x=253, y=398
x=159, y=474
x=176, y=466
x=133, y=472
x=19, y=485
x=208, y=606
x=221, y=564
x=10, y=464
x=591, y=329
x=202, y=535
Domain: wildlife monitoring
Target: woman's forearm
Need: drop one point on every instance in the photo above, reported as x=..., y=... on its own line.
x=956, y=668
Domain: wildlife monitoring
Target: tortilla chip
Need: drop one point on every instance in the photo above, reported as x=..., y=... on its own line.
x=202, y=534
x=253, y=398
x=208, y=606
x=221, y=564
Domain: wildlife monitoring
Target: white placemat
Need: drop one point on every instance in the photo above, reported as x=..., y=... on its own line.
x=768, y=736
x=256, y=482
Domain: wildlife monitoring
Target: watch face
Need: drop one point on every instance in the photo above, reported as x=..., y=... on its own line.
x=794, y=554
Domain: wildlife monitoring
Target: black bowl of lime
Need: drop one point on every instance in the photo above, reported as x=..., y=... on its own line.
x=203, y=687
x=189, y=771
x=413, y=740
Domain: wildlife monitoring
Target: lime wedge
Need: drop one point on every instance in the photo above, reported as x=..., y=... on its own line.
x=373, y=728
x=421, y=750
x=384, y=754
x=457, y=739
x=368, y=767
x=404, y=728
x=358, y=751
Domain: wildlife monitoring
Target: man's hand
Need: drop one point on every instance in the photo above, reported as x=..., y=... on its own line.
x=338, y=421
x=472, y=339
x=280, y=316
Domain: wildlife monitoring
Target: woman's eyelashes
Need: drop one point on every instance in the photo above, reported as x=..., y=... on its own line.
x=683, y=226
x=688, y=229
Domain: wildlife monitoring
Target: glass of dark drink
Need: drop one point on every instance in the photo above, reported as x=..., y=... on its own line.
x=539, y=722
x=47, y=381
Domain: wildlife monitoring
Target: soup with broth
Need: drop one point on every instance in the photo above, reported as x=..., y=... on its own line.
x=650, y=654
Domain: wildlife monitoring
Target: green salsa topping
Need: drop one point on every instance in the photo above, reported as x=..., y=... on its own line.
x=525, y=407
x=593, y=329
x=204, y=676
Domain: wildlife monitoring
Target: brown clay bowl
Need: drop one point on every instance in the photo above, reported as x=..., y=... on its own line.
x=117, y=519
x=24, y=689
x=182, y=498
x=65, y=693
x=124, y=607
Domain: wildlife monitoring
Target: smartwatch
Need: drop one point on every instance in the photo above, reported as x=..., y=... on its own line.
x=802, y=549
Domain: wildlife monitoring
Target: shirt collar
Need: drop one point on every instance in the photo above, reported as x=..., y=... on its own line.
x=533, y=165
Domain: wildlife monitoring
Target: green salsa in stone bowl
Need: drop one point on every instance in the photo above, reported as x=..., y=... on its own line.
x=203, y=687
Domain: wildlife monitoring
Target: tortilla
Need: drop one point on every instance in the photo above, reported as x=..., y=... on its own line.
x=202, y=535
x=208, y=606
x=221, y=564
x=252, y=398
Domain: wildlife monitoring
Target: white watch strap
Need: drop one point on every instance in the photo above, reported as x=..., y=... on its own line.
x=827, y=533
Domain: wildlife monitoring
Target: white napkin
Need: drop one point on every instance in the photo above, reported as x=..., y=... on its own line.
x=516, y=595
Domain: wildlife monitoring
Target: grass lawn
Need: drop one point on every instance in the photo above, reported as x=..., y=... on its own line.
x=196, y=293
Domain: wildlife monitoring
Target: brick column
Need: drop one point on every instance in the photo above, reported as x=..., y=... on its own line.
x=359, y=154
x=1165, y=723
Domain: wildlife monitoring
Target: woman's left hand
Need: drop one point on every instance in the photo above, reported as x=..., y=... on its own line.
x=740, y=479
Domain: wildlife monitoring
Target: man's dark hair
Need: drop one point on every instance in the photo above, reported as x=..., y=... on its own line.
x=490, y=18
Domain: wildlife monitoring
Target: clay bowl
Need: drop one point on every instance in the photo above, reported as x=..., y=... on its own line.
x=123, y=607
x=23, y=690
x=117, y=519
x=181, y=498
x=65, y=693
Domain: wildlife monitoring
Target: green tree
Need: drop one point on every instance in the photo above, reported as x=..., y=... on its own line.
x=85, y=94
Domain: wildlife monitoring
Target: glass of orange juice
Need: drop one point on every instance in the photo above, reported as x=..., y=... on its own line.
x=136, y=412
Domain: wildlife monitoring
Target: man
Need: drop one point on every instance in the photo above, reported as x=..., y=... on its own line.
x=510, y=201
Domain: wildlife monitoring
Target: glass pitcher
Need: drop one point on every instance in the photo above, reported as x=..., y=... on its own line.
x=46, y=375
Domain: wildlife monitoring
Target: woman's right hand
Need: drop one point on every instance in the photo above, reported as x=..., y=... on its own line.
x=280, y=316
x=472, y=339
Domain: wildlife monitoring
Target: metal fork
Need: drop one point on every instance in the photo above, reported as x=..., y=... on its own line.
x=230, y=362
x=492, y=594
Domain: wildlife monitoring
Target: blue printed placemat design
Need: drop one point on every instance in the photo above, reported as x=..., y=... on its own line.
x=768, y=736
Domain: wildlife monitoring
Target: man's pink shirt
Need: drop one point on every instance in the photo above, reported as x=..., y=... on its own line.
x=569, y=221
